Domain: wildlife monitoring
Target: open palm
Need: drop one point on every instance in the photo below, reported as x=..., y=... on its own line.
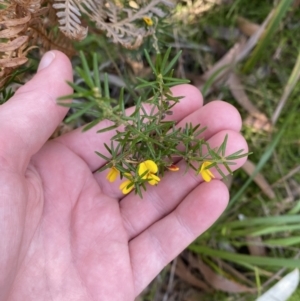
x=67, y=233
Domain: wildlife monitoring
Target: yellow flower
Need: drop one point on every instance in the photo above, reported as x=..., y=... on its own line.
x=149, y=169
x=112, y=175
x=148, y=21
x=206, y=174
x=125, y=186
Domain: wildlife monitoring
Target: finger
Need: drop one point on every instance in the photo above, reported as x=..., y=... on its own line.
x=29, y=118
x=84, y=144
x=160, y=200
x=216, y=116
x=154, y=248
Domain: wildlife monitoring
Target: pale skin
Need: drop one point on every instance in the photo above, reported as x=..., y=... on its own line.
x=69, y=234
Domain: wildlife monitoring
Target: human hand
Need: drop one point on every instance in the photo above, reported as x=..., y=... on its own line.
x=69, y=234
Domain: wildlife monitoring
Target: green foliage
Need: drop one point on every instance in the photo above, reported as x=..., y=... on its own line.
x=246, y=260
x=6, y=92
x=265, y=40
x=264, y=158
x=295, y=296
x=145, y=134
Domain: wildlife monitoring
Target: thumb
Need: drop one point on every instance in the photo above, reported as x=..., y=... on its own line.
x=29, y=118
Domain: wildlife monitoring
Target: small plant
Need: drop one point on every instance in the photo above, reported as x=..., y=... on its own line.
x=146, y=143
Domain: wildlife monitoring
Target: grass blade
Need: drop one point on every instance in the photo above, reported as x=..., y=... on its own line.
x=288, y=89
x=265, y=40
x=242, y=259
x=265, y=157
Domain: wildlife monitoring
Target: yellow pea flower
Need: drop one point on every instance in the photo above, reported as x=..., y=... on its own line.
x=148, y=21
x=206, y=174
x=150, y=168
x=112, y=175
x=124, y=186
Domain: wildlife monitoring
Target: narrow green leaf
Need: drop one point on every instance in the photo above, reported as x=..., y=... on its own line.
x=106, y=86
x=96, y=73
x=177, y=80
x=103, y=168
x=82, y=74
x=288, y=89
x=235, y=157
x=91, y=124
x=80, y=112
x=147, y=84
x=267, y=220
x=212, y=79
x=138, y=191
x=227, y=168
x=214, y=155
x=223, y=145
x=172, y=63
x=165, y=59
x=295, y=209
x=109, y=128
x=275, y=229
x=86, y=70
x=283, y=242
x=102, y=156
x=149, y=61
x=266, y=38
x=78, y=88
x=142, y=80
x=263, y=160
x=121, y=101
x=107, y=148
x=253, y=260
x=220, y=171
x=176, y=83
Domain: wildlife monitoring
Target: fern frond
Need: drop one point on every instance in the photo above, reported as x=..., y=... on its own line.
x=68, y=15
x=121, y=23
x=31, y=5
x=151, y=7
x=14, y=41
x=49, y=39
x=26, y=24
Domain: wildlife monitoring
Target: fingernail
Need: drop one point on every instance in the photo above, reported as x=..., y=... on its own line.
x=46, y=60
